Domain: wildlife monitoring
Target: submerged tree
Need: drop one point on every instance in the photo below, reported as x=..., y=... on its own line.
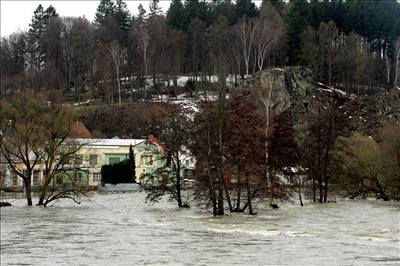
x=58, y=151
x=22, y=139
x=34, y=134
x=169, y=178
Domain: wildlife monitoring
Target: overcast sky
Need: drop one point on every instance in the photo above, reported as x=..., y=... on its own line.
x=17, y=14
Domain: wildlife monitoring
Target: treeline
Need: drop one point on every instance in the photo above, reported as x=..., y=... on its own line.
x=120, y=56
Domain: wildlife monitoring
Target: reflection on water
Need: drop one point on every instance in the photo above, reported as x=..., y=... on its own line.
x=122, y=230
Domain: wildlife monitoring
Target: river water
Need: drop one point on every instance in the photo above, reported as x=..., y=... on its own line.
x=121, y=229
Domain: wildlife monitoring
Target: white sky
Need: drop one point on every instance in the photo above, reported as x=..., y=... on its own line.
x=17, y=14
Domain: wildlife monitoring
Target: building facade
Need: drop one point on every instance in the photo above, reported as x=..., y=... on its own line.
x=149, y=155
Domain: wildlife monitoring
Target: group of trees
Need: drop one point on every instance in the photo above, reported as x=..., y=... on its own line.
x=252, y=147
x=248, y=147
x=125, y=57
x=35, y=135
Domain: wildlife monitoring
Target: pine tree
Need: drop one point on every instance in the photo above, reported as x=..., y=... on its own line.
x=50, y=12
x=37, y=25
x=155, y=9
x=105, y=8
x=297, y=22
x=278, y=4
x=141, y=17
x=36, y=46
x=123, y=18
x=176, y=15
x=222, y=8
x=245, y=8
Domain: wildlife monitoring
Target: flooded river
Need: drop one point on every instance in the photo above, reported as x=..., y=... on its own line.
x=122, y=230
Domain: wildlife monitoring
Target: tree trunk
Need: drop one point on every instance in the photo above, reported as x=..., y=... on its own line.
x=28, y=191
x=396, y=73
x=299, y=191
x=249, y=197
x=119, y=87
x=210, y=178
x=238, y=194
x=314, y=188
x=228, y=198
x=178, y=182
x=319, y=157
x=327, y=158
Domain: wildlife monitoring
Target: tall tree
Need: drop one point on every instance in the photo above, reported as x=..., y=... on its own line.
x=269, y=30
x=36, y=46
x=155, y=9
x=116, y=53
x=22, y=139
x=297, y=22
x=170, y=179
x=245, y=8
x=175, y=15
x=105, y=9
x=123, y=18
x=246, y=31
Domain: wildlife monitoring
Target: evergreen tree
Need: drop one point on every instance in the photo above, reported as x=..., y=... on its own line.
x=50, y=12
x=175, y=15
x=105, y=8
x=155, y=9
x=222, y=8
x=297, y=22
x=36, y=45
x=245, y=8
x=278, y=4
x=37, y=25
x=123, y=18
x=141, y=17
x=192, y=8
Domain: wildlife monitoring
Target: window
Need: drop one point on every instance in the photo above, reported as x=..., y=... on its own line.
x=78, y=159
x=187, y=162
x=96, y=177
x=114, y=160
x=146, y=160
x=93, y=159
x=14, y=177
x=15, y=180
x=78, y=177
x=35, y=178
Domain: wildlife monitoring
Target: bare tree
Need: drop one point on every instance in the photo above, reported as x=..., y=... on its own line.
x=35, y=135
x=21, y=137
x=267, y=98
x=58, y=151
x=269, y=29
x=246, y=30
x=397, y=58
x=170, y=178
x=117, y=53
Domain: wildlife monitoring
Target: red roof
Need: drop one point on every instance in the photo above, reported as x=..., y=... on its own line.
x=79, y=130
x=156, y=141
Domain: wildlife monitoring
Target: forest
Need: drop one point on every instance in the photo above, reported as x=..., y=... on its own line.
x=287, y=99
x=128, y=55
